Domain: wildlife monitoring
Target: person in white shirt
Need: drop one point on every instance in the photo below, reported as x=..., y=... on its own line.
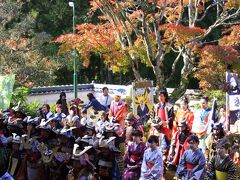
x=105, y=99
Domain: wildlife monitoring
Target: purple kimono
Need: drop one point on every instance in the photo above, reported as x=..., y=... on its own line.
x=191, y=165
x=133, y=157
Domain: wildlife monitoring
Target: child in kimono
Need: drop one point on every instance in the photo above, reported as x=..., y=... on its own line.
x=221, y=167
x=192, y=163
x=152, y=165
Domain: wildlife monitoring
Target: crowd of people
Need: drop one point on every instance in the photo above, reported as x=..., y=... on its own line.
x=113, y=143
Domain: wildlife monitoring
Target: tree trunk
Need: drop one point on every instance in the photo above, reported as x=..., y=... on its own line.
x=109, y=77
x=186, y=74
x=134, y=65
x=160, y=80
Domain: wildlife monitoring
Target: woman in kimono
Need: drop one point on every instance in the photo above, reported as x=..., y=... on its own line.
x=152, y=165
x=192, y=163
x=221, y=167
x=134, y=157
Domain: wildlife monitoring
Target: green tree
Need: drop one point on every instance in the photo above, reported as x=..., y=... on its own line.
x=22, y=49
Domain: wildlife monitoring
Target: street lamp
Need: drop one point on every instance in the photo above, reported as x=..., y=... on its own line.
x=71, y=4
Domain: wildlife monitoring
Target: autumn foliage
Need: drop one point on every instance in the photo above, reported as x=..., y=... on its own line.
x=148, y=31
x=218, y=59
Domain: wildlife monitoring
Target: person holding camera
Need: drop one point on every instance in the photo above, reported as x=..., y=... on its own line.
x=45, y=112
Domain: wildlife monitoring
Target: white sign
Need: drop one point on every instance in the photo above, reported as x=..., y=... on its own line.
x=234, y=102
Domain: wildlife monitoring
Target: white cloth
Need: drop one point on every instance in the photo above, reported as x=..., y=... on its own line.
x=101, y=125
x=105, y=100
x=48, y=115
x=155, y=157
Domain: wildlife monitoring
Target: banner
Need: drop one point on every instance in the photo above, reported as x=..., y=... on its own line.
x=142, y=96
x=234, y=102
x=6, y=89
x=233, y=96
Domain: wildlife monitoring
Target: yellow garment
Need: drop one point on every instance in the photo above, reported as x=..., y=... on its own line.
x=221, y=175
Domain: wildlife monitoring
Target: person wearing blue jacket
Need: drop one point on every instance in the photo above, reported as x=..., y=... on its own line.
x=93, y=102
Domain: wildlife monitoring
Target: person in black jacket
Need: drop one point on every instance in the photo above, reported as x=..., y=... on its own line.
x=63, y=102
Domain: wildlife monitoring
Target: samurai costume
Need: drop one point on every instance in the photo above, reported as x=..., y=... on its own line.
x=178, y=146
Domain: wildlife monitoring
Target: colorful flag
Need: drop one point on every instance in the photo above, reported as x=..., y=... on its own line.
x=6, y=89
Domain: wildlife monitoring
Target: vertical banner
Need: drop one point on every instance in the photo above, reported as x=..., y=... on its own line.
x=142, y=95
x=6, y=89
x=233, y=96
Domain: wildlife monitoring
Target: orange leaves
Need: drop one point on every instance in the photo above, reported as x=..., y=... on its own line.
x=100, y=39
x=135, y=15
x=232, y=3
x=183, y=34
x=233, y=39
x=221, y=53
x=214, y=62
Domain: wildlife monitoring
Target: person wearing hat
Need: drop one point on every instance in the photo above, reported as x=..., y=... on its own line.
x=82, y=168
x=31, y=127
x=221, y=167
x=105, y=159
x=178, y=144
x=4, y=152
x=211, y=140
x=152, y=165
x=15, y=158
x=192, y=163
x=118, y=110
x=18, y=113
x=134, y=157
x=131, y=125
x=183, y=112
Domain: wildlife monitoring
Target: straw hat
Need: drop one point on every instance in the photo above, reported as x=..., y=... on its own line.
x=16, y=138
x=77, y=153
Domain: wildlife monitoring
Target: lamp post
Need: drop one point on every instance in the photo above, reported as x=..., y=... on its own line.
x=71, y=4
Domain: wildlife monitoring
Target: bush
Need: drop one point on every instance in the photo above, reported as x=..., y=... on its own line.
x=31, y=109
